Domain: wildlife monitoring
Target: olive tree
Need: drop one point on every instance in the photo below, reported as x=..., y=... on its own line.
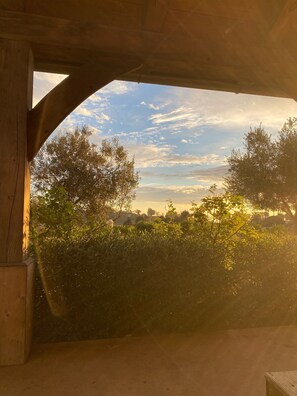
x=265, y=172
x=96, y=179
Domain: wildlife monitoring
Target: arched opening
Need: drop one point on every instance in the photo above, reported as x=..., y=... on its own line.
x=219, y=118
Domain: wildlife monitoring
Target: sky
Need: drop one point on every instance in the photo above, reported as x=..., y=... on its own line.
x=179, y=137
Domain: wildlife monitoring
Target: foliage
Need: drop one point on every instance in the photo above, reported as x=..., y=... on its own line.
x=264, y=172
x=121, y=282
x=94, y=178
x=151, y=212
x=212, y=270
x=111, y=285
x=171, y=212
x=52, y=214
x=221, y=217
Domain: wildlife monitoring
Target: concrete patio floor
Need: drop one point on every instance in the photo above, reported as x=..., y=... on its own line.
x=224, y=363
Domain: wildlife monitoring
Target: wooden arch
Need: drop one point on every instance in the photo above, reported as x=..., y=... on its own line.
x=45, y=117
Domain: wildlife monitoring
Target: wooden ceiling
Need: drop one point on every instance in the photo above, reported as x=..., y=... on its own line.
x=242, y=46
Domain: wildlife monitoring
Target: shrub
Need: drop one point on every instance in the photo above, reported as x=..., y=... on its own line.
x=110, y=286
x=115, y=284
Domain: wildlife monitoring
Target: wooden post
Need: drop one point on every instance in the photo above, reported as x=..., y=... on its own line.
x=16, y=270
x=281, y=383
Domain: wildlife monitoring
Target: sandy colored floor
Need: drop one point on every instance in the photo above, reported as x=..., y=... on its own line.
x=226, y=363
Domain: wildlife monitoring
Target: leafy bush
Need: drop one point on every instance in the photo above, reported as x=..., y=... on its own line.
x=107, y=286
x=212, y=270
x=114, y=284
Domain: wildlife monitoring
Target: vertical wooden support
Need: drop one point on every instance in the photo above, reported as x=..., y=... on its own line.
x=281, y=383
x=16, y=271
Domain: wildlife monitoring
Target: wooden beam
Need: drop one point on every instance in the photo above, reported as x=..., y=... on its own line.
x=16, y=309
x=16, y=76
x=154, y=14
x=12, y=5
x=281, y=383
x=195, y=51
x=121, y=13
x=16, y=274
x=125, y=41
x=46, y=116
x=285, y=21
x=84, y=41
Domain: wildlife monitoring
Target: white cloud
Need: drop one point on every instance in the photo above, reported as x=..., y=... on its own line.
x=118, y=88
x=184, y=141
x=150, y=105
x=181, y=195
x=152, y=155
x=191, y=108
x=181, y=113
x=183, y=117
x=186, y=190
x=83, y=111
x=105, y=117
x=101, y=118
x=188, y=159
x=95, y=98
x=153, y=107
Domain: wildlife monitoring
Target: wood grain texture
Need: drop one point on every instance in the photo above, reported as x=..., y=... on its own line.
x=195, y=44
x=13, y=5
x=154, y=14
x=282, y=27
x=281, y=384
x=16, y=71
x=65, y=97
x=16, y=285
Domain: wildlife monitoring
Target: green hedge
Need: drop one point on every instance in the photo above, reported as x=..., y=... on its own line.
x=115, y=285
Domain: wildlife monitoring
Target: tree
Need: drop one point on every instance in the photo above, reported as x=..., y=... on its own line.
x=184, y=216
x=266, y=171
x=94, y=178
x=52, y=214
x=171, y=213
x=151, y=212
x=222, y=217
x=222, y=220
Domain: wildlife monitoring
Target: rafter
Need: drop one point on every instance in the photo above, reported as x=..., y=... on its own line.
x=285, y=20
x=193, y=44
x=46, y=116
x=154, y=13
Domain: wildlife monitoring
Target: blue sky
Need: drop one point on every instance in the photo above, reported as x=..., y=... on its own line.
x=179, y=137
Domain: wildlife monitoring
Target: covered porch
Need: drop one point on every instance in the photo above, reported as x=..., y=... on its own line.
x=235, y=46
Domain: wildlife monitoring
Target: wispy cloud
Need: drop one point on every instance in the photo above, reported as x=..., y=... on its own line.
x=182, y=196
x=181, y=117
x=150, y=105
x=152, y=155
x=82, y=110
x=118, y=88
x=201, y=107
x=214, y=175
